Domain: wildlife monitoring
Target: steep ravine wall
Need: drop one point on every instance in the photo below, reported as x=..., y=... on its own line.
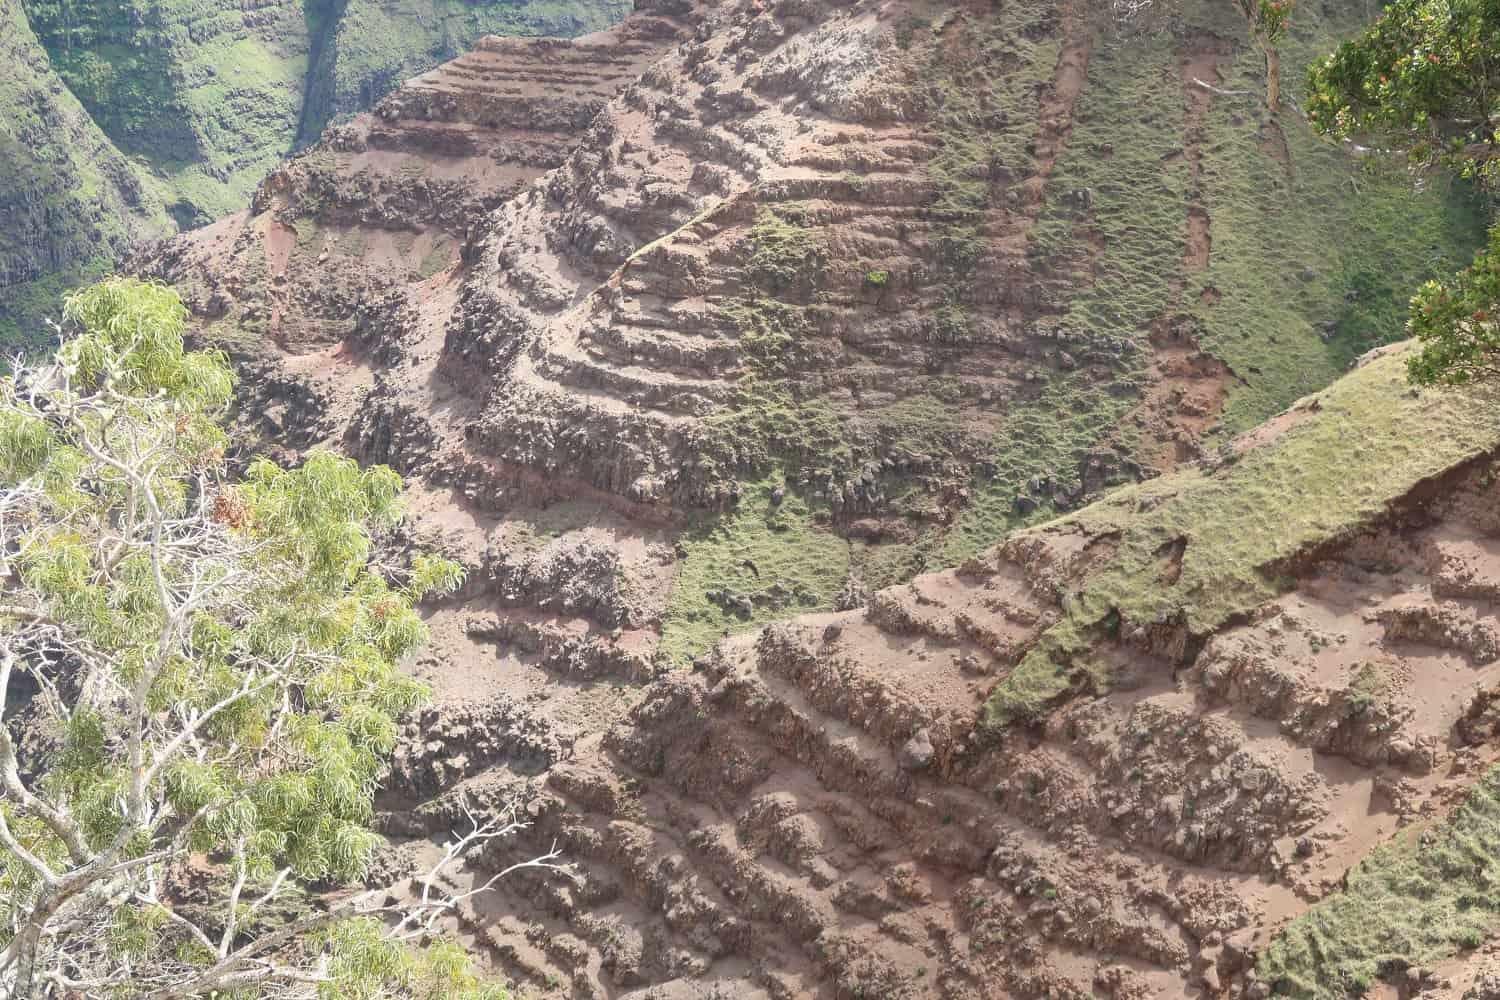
x=196, y=103
x=734, y=313
x=70, y=202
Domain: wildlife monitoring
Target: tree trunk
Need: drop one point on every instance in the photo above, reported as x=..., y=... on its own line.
x=1273, y=78
x=28, y=942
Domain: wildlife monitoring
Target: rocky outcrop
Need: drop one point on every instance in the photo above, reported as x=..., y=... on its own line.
x=757, y=294
x=568, y=653
x=440, y=749
x=842, y=251
x=368, y=47
x=746, y=206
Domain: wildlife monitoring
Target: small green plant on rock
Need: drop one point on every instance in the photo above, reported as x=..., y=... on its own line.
x=1369, y=685
x=782, y=253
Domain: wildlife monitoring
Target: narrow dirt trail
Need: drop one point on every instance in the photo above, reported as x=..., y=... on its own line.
x=1188, y=386
x=1055, y=111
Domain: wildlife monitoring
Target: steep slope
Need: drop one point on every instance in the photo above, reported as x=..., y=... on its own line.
x=69, y=202
x=211, y=95
x=199, y=101
x=839, y=293
x=205, y=95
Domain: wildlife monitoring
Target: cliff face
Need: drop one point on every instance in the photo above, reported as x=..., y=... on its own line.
x=845, y=290
x=743, y=311
x=69, y=201
x=197, y=102
x=374, y=45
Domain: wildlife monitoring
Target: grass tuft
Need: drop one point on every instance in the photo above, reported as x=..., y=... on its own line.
x=773, y=556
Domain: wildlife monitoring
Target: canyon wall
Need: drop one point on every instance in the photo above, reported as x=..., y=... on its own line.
x=925, y=535
x=196, y=103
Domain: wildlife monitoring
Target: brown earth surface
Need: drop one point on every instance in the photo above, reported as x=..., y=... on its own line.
x=517, y=281
x=814, y=810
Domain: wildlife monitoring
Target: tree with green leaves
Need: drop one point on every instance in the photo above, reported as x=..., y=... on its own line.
x=1423, y=82
x=1455, y=322
x=1268, y=21
x=198, y=687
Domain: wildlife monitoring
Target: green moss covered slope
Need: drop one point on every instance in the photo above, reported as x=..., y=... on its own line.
x=70, y=202
x=1311, y=256
x=1313, y=253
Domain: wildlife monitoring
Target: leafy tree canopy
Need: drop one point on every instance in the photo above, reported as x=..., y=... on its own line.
x=1455, y=322
x=1424, y=82
x=190, y=668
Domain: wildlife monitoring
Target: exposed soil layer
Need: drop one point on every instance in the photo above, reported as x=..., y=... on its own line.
x=748, y=279
x=813, y=811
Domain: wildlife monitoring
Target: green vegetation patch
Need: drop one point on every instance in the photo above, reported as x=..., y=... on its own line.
x=768, y=426
x=1315, y=252
x=1045, y=435
x=782, y=252
x=1369, y=685
x=1113, y=223
x=771, y=422
x=437, y=259
x=1411, y=902
x=886, y=563
x=26, y=308
x=1368, y=440
x=744, y=568
x=980, y=86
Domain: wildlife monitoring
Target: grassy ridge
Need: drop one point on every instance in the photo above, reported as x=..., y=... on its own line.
x=1368, y=442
